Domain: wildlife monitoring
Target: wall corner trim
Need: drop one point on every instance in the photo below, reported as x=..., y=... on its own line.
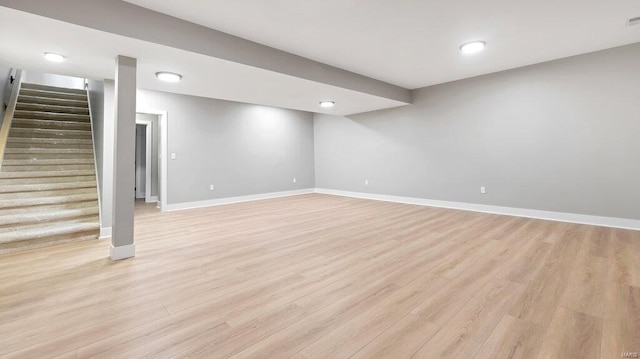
x=508, y=211
x=229, y=200
x=105, y=232
x=122, y=252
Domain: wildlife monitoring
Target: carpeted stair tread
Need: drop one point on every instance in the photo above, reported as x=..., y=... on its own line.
x=49, y=124
x=50, y=116
x=53, y=179
x=47, y=216
x=35, y=174
x=13, y=142
x=21, y=234
x=49, y=133
x=28, y=187
x=40, y=151
x=41, y=168
x=21, y=106
x=47, y=156
x=52, y=94
x=53, y=101
x=46, y=193
x=24, y=202
x=57, y=89
x=47, y=161
x=91, y=203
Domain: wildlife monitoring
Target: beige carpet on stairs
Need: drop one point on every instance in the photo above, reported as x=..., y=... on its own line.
x=48, y=190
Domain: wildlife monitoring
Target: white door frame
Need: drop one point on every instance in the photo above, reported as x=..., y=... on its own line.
x=148, y=134
x=162, y=153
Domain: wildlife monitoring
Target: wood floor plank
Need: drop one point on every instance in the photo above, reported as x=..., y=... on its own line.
x=327, y=276
x=586, y=286
x=621, y=327
x=466, y=332
x=350, y=336
x=572, y=335
x=513, y=338
x=544, y=292
x=399, y=341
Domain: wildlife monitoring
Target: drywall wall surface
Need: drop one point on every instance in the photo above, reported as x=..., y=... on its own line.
x=558, y=136
x=241, y=149
x=5, y=89
x=40, y=78
x=96, y=102
x=106, y=171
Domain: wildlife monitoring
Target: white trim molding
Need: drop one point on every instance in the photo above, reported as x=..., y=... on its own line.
x=508, y=211
x=105, y=232
x=122, y=252
x=151, y=199
x=229, y=200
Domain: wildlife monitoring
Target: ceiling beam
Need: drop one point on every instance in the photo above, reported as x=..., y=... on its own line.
x=125, y=19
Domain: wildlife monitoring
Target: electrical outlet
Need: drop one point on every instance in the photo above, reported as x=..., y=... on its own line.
x=211, y=187
x=483, y=190
x=295, y=180
x=173, y=156
x=366, y=182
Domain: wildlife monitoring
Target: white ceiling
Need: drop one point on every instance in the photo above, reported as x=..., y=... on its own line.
x=414, y=43
x=91, y=53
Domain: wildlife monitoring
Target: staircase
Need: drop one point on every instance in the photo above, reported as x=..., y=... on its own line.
x=48, y=191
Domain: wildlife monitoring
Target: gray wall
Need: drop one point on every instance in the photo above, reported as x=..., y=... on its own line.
x=559, y=136
x=104, y=155
x=242, y=149
x=96, y=102
x=40, y=78
x=5, y=89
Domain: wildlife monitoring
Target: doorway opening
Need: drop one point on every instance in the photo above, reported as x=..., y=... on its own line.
x=147, y=159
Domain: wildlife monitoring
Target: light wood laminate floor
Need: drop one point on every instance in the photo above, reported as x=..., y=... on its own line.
x=318, y=276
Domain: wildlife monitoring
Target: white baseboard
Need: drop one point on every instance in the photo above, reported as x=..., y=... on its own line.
x=151, y=199
x=509, y=211
x=229, y=200
x=122, y=252
x=105, y=232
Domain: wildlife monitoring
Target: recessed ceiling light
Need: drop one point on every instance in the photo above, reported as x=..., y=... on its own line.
x=168, y=76
x=54, y=57
x=473, y=47
x=327, y=104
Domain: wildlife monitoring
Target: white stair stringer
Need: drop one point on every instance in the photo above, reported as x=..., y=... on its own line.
x=48, y=190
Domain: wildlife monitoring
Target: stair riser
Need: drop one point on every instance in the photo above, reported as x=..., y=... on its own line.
x=56, y=95
x=16, y=142
x=45, y=186
x=48, y=162
x=48, y=124
x=37, y=180
x=52, y=108
x=50, y=116
x=41, y=174
x=47, y=150
x=52, y=156
x=25, y=202
x=50, y=134
x=39, y=217
x=52, y=193
x=46, y=168
x=52, y=101
x=44, y=231
x=49, y=207
x=32, y=86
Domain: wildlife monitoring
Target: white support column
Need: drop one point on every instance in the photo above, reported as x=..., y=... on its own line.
x=122, y=244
